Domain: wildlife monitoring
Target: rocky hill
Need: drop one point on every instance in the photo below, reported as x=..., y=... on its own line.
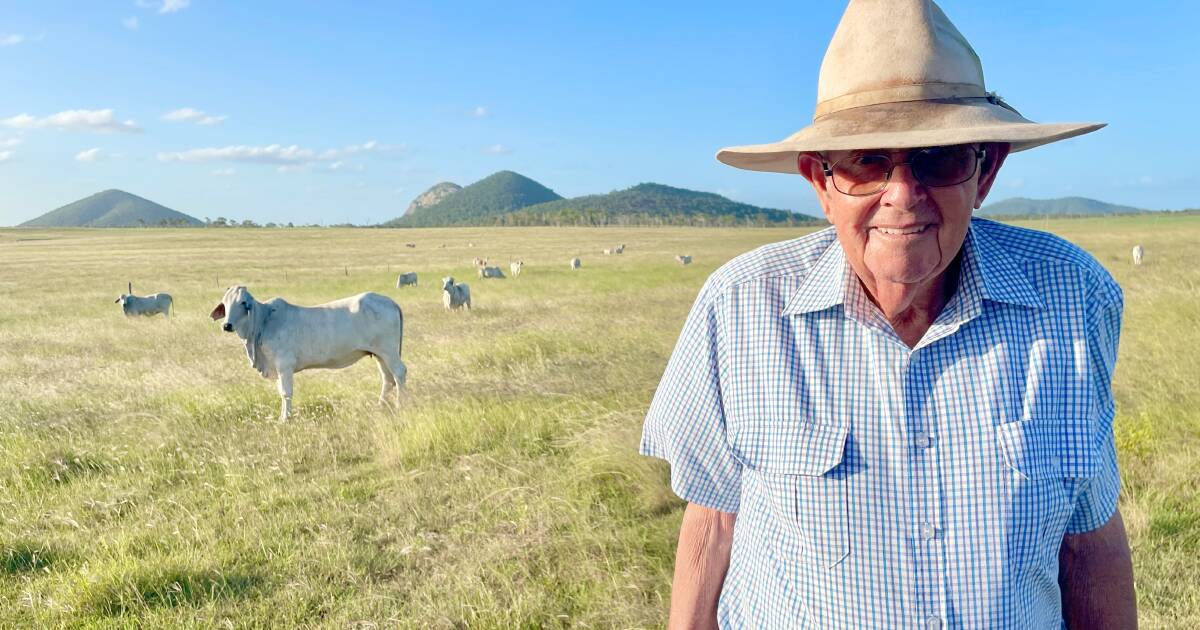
x=494, y=195
x=432, y=196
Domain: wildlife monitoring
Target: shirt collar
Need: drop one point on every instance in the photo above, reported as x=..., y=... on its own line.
x=998, y=276
x=987, y=272
x=824, y=286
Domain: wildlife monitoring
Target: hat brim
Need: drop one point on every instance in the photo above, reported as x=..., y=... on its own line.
x=904, y=125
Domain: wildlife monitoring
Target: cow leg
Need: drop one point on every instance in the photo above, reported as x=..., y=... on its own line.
x=394, y=374
x=385, y=375
x=285, y=392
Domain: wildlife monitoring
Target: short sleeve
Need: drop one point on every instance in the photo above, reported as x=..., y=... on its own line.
x=686, y=422
x=1097, y=499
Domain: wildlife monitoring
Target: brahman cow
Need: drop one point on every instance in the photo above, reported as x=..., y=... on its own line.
x=455, y=296
x=1138, y=253
x=683, y=259
x=490, y=272
x=516, y=267
x=575, y=263
x=406, y=279
x=146, y=306
x=282, y=339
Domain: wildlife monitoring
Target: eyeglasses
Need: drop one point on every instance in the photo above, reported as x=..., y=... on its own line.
x=936, y=167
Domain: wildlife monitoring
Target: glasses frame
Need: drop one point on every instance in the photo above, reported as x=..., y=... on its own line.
x=980, y=153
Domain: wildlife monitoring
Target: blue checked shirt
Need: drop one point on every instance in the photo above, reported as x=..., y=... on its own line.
x=878, y=486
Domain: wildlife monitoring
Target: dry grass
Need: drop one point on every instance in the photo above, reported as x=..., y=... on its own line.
x=144, y=481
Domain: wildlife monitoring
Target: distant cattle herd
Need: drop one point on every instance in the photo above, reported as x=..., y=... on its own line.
x=281, y=338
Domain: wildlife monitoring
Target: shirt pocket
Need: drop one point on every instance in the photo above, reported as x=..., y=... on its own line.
x=1039, y=493
x=802, y=471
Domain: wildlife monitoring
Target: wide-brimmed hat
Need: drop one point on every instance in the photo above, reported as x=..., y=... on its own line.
x=898, y=75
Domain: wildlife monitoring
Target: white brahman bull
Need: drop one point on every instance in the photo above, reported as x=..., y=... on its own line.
x=455, y=296
x=146, y=306
x=619, y=249
x=575, y=263
x=282, y=339
x=490, y=272
x=516, y=267
x=683, y=259
x=1138, y=253
x=406, y=279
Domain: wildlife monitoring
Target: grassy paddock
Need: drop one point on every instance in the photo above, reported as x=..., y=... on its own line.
x=145, y=482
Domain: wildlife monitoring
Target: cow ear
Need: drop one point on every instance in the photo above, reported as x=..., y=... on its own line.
x=218, y=312
x=117, y=301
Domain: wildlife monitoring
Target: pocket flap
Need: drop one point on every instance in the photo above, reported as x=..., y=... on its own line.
x=790, y=449
x=1031, y=448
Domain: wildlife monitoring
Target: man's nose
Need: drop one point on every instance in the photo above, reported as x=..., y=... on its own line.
x=228, y=327
x=903, y=190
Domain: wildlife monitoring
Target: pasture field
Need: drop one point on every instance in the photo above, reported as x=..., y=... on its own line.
x=145, y=480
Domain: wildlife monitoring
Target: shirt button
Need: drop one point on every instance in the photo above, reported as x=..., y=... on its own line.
x=928, y=532
x=933, y=623
x=923, y=440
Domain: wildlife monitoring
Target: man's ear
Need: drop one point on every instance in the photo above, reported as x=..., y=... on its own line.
x=812, y=168
x=989, y=168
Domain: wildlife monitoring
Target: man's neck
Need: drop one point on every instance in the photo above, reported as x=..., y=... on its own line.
x=912, y=308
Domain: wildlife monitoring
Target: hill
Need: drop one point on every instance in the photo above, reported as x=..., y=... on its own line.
x=112, y=208
x=434, y=195
x=1061, y=207
x=652, y=204
x=477, y=204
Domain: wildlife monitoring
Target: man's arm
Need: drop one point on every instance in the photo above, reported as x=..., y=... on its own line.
x=705, y=539
x=1095, y=572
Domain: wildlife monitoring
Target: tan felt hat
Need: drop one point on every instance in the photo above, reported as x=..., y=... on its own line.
x=898, y=75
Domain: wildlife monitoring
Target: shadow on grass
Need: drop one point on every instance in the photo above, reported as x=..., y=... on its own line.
x=25, y=557
x=171, y=587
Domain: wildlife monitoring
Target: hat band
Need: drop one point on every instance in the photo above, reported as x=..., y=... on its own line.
x=899, y=94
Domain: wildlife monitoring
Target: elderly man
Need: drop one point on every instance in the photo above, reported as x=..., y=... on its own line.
x=903, y=421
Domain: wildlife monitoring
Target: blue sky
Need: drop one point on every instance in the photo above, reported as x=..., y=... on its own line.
x=333, y=112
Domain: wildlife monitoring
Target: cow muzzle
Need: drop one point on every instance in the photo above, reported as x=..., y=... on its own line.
x=227, y=327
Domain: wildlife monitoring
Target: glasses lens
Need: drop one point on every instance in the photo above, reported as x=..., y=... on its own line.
x=861, y=174
x=943, y=166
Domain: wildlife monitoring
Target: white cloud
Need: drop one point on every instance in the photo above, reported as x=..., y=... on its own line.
x=223, y=172
x=12, y=39
x=171, y=6
x=88, y=155
x=97, y=120
x=1019, y=182
x=5, y=155
x=164, y=6
x=9, y=143
x=131, y=23
x=289, y=158
x=497, y=149
x=189, y=114
x=480, y=111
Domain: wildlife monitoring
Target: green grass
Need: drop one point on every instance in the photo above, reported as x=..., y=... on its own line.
x=144, y=480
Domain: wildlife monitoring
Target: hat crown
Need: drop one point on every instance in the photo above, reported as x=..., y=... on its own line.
x=893, y=51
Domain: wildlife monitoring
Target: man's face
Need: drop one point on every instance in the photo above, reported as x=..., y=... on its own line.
x=909, y=232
